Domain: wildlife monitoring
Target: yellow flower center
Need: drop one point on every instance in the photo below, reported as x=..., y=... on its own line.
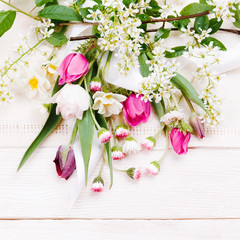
x=50, y=66
x=33, y=83
x=108, y=96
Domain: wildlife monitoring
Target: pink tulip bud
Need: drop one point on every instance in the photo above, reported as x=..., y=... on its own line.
x=73, y=67
x=135, y=110
x=65, y=161
x=180, y=140
x=197, y=125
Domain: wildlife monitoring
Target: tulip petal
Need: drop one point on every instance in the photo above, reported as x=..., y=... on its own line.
x=69, y=166
x=65, y=63
x=78, y=66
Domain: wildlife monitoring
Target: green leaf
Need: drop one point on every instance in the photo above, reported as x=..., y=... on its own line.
x=49, y=126
x=6, y=20
x=99, y=2
x=86, y=128
x=201, y=23
x=59, y=12
x=194, y=8
x=162, y=34
x=179, y=23
x=80, y=2
x=186, y=88
x=57, y=39
x=51, y=123
x=177, y=52
x=144, y=67
x=215, y=42
x=215, y=25
x=159, y=108
x=84, y=11
x=153, y=9
x=102, y=122
x=39, y=3
x=128, y=2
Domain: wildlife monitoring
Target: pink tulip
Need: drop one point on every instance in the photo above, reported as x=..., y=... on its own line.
x=180, y=140
x=136, y=110
x=74, y=66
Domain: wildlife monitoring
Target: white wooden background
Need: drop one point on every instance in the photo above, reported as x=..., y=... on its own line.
x=195, y=197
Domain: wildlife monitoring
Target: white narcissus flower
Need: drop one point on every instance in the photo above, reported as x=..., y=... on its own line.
x=72, y=100
x=36, y=83
x=108, y=103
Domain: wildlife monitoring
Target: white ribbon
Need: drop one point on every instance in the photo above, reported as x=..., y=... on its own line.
x=79, y=181
x=96, y=153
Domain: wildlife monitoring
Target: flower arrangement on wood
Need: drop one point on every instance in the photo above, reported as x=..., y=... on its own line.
x=106, y=109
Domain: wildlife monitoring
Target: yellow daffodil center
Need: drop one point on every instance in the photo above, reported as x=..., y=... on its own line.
x=108, y=96
x=51, y=68
x=33, y=82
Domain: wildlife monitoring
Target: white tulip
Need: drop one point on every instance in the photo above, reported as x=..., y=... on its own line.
x=72, y=100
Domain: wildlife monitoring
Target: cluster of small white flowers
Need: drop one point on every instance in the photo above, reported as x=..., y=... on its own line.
x=223, y=8
x=208, y=56
x=157, y=85
x=45, y=28
x=193, y=37
x=166, y=10
x=120, y=31
x=6, y=95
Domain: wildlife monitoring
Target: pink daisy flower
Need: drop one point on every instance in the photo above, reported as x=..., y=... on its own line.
x=153, y=168
x=104, y=135
x=117, y=153
x=149, y=143
x=121, y=131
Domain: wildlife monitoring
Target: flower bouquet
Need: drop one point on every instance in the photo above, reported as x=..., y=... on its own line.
x=122, y=73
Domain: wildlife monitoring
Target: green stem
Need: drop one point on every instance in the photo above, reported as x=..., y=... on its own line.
x=166, y=149
x=102, y=165
x=28, y=51
x=189, y=103
x=175, y=101
x=90, y=107
x=113, y=128
x=106, y=67
x=150, y=56
x=74, y=133
x=19, y=10
x=99, y=62
x=156, y=135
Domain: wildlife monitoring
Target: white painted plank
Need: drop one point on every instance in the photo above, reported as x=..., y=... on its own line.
x=203, y=184
x=118, y=230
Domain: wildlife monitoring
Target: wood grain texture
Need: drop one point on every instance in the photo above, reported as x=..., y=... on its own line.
x=118, y=230
x=202, y=184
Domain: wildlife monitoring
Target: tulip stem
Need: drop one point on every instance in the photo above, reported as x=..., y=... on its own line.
x=189, y=103
x=175, y=101
x=74, y=133
x=156, y=135
x=167, y=145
